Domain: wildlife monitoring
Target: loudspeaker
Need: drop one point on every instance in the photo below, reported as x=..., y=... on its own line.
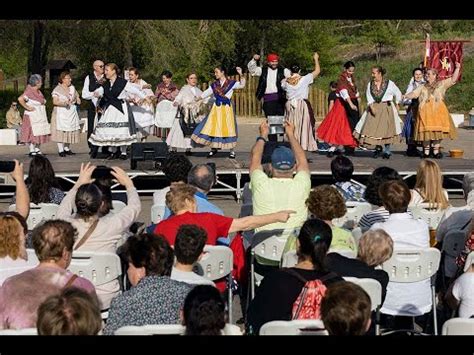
x=156, y=152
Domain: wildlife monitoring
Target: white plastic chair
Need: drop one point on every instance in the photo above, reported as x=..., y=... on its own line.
x=11, y=271
x=268, y=245
x=24, y=331
x=414, y=265
x=97, y=267
x=289, y=259
x=157, y=213
x=216, y=263
x=39, y=213
x=152, y=329
x=374, y=290
x=431, y=217
x=458, y=326
x=355, y=211
x=294, y=327
x=117, y=206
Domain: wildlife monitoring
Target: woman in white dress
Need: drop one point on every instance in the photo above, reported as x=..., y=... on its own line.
x=298, y=110
x=114, y=122
x=65, y=127
x=143, y=114
x=190, y=112
x=165, y=112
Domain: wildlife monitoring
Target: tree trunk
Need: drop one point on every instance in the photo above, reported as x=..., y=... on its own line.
x=128, y=49
x=38, y=31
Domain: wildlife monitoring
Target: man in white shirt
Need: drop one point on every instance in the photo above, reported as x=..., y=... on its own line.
x=90, y=92
x=188, y=249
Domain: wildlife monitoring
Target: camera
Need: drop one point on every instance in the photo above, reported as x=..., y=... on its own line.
x=7, y=166
x=276, y=124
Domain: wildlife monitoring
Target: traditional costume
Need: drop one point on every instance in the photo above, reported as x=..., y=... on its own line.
x=65, y=128
x=298, y=109
x=165, y=112
x=144, y=113
x=410, y=118
x=91, y=84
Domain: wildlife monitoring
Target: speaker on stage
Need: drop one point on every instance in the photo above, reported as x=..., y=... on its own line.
x=155, y=152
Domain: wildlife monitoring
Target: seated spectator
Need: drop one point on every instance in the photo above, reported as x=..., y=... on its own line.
x=204, y=311
x=281, y=191
x=22, y=294
x=14, y=119
x=181, y=201
x=279, y=289
x=43, y=186
x=176, y=168
x=375, y=247
x=154, y=298
x=21, y=191
x=429, y=186
x=326, y=203
x=404, y=299
x=188, y=248
x=202, y=177
x=72, y=312
x=346, y=309
x=468, y=248
x=461, y=294
x=13, y=256
x=371, y=195
x=96, y=232
x=342, y=170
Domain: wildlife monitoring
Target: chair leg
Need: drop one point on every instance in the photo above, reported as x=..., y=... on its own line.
x=435, y=317
x=252, y=277
x=377, y=321
x=230, y=299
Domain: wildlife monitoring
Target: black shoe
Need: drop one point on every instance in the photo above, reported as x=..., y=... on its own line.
x=62, y=154
x=69, y=152
x=188, y=153
x=32, y=154
x=232, y=155
x=123, y=156
x=386, y=156
x=376, y=154
x=425, y=156
x=438, y=155
x=114, y=156
x=330, y=154
x=211, y=153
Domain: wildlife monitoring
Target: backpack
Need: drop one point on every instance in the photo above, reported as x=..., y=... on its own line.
x=308, y=303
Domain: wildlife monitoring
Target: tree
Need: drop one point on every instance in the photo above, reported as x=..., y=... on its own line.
x=382, y=34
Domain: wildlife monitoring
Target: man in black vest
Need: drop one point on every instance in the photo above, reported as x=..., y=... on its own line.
x=269, y=86
x=92, y=82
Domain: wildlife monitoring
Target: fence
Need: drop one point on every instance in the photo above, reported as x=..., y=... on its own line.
x=15, y=84
x=247, y=105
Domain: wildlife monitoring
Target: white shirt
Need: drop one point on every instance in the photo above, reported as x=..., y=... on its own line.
x=299, y=91
x=463, y=291
x=190, y=277
x=238, y=85
x=407, y=299
x=89, y=95
x=391, y=92
x=271, y=76
x=417, y=199
x=412, y=85
x=10, y=267
x=129, y=89
x=159, y=196
x=344, y=93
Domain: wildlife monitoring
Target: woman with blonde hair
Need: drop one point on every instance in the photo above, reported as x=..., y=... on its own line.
x=429, y=186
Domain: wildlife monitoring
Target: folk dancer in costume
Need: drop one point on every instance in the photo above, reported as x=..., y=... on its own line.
x=380, y=123
x=269, y=85
x=90, y=92
x=412, y=111
x=165, y=112
x=433, y=122
x=116, y=125
x=219, y=129
x=298, y=109
x=190, y=113
x=65, y=128
x=337, y=127
x=35, y=129
x=144, y=113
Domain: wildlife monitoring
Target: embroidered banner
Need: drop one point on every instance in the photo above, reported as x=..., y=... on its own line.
x=442, y=56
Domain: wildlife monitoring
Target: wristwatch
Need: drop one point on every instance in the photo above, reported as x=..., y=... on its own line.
x=261, y=138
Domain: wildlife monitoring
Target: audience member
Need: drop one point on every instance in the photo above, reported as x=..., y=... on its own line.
x=429, y=186
x=461, y=294
x=342, y=170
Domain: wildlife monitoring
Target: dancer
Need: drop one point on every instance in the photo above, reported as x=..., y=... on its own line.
x=219, y=129
x=298, y=109
x=380, y=123
x=412, y=111
x=434, y=122
x=165, y=112
x=35, y=129
x=65, y=128
x=116, y=126
x=337, y=127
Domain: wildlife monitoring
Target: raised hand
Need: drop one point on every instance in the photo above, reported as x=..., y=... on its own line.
x=264, y=129
x=17, y=173
x=239, y=70
x=122, y=177
x=289, y=128
x=85, y=175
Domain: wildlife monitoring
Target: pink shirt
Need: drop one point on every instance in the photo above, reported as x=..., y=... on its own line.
x=22, y=294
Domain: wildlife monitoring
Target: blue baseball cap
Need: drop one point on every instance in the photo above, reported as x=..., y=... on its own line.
x=283, y=158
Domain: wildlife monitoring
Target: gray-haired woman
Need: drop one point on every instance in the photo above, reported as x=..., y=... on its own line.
x=35, y=128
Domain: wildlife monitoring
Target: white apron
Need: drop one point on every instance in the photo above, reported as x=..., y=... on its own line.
x=165, y=114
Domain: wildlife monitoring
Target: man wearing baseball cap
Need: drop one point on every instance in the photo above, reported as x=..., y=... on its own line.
x=269, y=85
x=284, y=189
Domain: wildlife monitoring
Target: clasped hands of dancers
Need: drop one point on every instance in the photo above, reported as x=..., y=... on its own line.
x=122, y=111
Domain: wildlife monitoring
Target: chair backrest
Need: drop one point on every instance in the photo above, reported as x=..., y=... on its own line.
x=12, y=271
x=289, y=259
x=430, y=216
x=458, y=326
x=412, y=265
x=117, y=206
x=453, y=244
x=152, y=329
x=269, y=244
x=355, y=211
x=294, y=327
x=157, y=213
x=246, y=210
x=97, y=267
x=24, y=331
x=372, y=287
x=39, y=213
x=217, y=262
